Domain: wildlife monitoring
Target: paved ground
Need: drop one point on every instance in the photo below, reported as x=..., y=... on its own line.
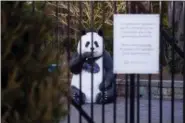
x=121, y=112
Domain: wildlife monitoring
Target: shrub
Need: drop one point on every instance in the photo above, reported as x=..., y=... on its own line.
x=29, y=91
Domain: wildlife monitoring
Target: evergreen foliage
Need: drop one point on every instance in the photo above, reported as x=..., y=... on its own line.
x=29, y=92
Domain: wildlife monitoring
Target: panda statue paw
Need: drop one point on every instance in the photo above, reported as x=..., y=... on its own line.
x=78, y=96
x=104, y=98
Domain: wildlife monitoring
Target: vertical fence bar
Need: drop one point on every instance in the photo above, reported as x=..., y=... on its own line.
x=138, y=89
x=149, y=98
x=132, y=97
x=172, y=65
x=126, y=98
x=149, y=87
x=161, y=66
x=80, y=25
x=115, y=86
x=92, y=77
x=68, y=57
x=126, y=81
x=103, y=20
x=138, y=99
x=132, y=80
x=184, y=69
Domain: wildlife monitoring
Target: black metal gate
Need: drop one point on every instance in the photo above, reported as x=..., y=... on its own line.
x=167, y=38
x=132, y=106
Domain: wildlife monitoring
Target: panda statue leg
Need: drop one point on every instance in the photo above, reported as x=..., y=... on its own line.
x=76, y=93
x=108, y=97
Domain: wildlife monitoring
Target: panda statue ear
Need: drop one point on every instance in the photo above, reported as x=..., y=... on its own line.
x=83, y=32
x=100, y=32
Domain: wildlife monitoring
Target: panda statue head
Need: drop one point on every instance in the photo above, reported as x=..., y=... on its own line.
x=91, y=42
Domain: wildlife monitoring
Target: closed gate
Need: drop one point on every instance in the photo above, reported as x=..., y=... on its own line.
x=159, y=101
x=136, y=98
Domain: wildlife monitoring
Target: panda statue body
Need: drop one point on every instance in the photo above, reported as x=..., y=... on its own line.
x=84, y=82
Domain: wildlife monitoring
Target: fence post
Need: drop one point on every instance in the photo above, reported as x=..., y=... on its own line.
x=132, y=96
x=132, y=9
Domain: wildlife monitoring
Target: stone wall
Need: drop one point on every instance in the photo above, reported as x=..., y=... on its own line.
x=155, y=89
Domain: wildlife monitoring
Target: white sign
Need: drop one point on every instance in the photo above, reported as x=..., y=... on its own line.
x=136, y=43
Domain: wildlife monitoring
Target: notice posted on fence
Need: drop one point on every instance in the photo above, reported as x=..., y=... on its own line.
x=136, y=43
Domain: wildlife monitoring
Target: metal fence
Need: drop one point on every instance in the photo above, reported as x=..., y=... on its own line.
x=132, y=101
x=132, y=82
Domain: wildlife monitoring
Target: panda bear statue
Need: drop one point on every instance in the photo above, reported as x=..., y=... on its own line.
x=93, y=80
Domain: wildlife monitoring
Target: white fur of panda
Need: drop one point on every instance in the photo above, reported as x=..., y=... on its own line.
x=86, y=77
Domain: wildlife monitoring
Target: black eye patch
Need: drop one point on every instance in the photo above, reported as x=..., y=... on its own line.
x=96, y=44
x=87, y=44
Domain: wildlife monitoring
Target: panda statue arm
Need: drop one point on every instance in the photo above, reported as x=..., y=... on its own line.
x=108, y=76
x=77, y=61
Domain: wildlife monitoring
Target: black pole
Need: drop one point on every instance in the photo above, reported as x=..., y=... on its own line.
x=161, y=67
x=184, y=71
x=115, y=84
x=132, y=78
x=132, y=97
